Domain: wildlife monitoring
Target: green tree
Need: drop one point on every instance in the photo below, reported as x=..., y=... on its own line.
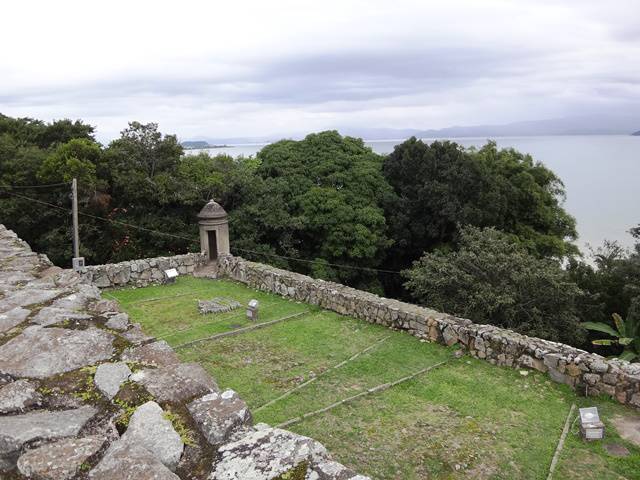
x=440, y=187
x=318, y=199
x=493, y=279
x=75, y=159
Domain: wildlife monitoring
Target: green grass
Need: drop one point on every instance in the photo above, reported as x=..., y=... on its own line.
x=465, y=419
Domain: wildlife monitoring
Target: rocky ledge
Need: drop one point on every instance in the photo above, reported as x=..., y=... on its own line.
x=85, y=394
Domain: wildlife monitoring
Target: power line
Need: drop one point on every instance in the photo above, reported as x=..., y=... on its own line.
x=368, y=269
x=108, y=220
x=36, y=186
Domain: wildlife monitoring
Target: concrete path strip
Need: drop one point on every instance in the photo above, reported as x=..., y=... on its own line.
x=313, y=379
x=240, y=330
x=370, y=391
x=565, y=430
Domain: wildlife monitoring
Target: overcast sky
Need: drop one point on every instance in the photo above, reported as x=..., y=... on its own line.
x=246, y=68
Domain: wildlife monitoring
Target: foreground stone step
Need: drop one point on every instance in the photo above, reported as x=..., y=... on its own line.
x=16, y=430
x=148, y=428
x=219, y=415
x=42, y=352
x=176, y=383
x=60, y=460
x=127, y=461
x=265, y=454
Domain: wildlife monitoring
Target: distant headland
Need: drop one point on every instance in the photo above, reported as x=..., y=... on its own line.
x=199, y=144
x=636, y=134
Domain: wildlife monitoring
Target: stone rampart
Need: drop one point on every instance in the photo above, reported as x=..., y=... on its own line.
x=85, y=394
x=141, y=273
x=587, y=372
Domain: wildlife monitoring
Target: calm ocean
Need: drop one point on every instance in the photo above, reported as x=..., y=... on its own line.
x=601, y=175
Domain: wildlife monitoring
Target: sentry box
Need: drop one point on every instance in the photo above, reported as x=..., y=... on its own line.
x=591, y=427
x=252, y=310
x=170, y=275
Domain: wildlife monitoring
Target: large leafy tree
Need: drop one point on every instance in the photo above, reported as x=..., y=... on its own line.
x=440, y=187
x=318, y=199
x=493, y=279
x=26, y=147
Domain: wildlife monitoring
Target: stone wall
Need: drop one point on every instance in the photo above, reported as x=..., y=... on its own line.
x=586, y=372
x=85, y=394
x=141, y=273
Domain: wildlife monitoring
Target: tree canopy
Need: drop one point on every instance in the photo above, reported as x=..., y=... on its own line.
x=441, y=187
x=493, y=279
x=318, y=199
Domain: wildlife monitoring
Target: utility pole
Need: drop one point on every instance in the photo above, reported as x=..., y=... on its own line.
x=78, y=261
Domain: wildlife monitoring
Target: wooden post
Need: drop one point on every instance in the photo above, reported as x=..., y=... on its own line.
x=74, y=214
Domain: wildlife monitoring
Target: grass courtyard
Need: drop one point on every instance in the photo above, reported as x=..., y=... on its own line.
x=463, y=419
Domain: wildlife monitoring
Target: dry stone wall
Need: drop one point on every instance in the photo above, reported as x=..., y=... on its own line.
x=586, y=372
x=85, y=394
x=143, y=272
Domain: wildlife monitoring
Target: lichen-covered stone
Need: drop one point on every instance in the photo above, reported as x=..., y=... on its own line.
x=109, y=377
x=18, y=396
x=42, y=352
x=60, y=460
x=154, y=354
x=128, y=461
x=176, y=383
x=16, y=430
x=219, y=415
x=148, y=428
x=266, y=453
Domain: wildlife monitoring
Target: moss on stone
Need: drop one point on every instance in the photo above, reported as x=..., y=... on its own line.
x=299, y=472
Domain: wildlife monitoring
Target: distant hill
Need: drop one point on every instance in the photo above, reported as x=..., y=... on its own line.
x=636, y=134
x=577, y=125
x=195, y=144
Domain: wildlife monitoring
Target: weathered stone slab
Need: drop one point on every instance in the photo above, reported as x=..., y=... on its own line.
x=119, y=321
x=109, y=377
x=149, y=429
x=16, y=430
x=28, y=296
x=42, y=352
x=15, y=277
x=176, y=383
x=266, y=453
x=13, y=317
x=18, y=395
x=60, y=460
x=53, y=315
x=218, y=415
x=127, y=461
x=154, y=354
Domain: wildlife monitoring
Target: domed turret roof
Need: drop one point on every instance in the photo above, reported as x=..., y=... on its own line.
x=212, y=210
